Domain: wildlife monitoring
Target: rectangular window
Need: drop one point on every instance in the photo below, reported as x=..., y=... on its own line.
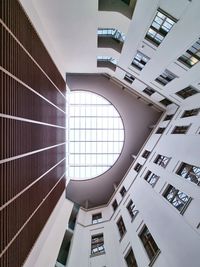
x=129, y=78
x=149, y=91
x=139, y=60
x=180, y=129
x=166, y=77
x=151, y=178
x=131, y=209
x=123, y=191
x=162, y=160
x=114, y=204
x=149, y=243
x=96, y=218
x=130, y=259
x=190, y=112
x=160, y=27
x=160, y=130
x=137, y=167
x=189, y=172
x=97, y=244
x=146, y=154
x=187, y=92
x=168, y=117
x=121, y=227
x=166, y=102
x=191, y=56
x=177, y=198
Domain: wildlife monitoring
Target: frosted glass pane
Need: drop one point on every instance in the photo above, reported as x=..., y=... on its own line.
x=96, y=135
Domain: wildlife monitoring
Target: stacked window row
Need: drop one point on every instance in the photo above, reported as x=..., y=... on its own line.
x=151, y=248
x=160, y=27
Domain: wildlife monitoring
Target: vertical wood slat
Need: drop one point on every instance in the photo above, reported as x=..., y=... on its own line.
x=25, y=240
x=27, y=71
x=27, y=137
x=24, y=102
x=18, y=137
x=35, y=47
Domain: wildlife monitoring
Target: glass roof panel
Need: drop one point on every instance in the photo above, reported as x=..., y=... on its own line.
x=96, y=135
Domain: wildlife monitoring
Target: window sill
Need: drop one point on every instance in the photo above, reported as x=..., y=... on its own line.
x=97, y=254
x=154, y=258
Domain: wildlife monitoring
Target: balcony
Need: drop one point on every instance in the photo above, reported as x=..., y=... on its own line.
x=110, y=38
x=125, y=7
x=106, y=62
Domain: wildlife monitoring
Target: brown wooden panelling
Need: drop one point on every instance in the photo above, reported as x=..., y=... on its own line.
x=23, y=67
x=17, y=100
x=17, y=252
x=16, y=20
x=18, y=211
x=19, y=137
x=18, y=201
x=20, y=173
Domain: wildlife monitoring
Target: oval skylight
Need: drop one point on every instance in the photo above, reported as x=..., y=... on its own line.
x=96, y=135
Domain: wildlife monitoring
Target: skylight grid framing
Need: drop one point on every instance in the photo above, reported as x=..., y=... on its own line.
x=96, y=136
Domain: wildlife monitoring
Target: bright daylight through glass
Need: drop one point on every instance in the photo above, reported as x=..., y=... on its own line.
x=96, y=135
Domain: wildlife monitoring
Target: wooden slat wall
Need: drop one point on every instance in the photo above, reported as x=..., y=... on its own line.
x=32, y=135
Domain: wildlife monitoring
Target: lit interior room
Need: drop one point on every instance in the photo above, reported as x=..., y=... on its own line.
x=100, y=133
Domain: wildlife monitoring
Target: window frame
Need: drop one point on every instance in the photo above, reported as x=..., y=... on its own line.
x=189, y=54
x=146, y=154
x=149, y=244
x=176, y=196
x=132, y=262
x=165, y=102
x=160, y=130
x=162, y=160
x=190, y=174
x=140, y=60
x=137, y=167
x=115, y=205
x=98, y=219
x=151, y=178
x=156, y=35
x=181, y=129
x=187, y=92
x=131, y=210
x=190, y=112
x=168, y=117
x=97, y=244
x=123, y=191
x=149, y=91
x=165, y=77
x=129, y=78
x=121, y=227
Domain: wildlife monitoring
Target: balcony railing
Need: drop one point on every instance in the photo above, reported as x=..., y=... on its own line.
x=111, y=32
x=110, y=38
x=106, y=62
